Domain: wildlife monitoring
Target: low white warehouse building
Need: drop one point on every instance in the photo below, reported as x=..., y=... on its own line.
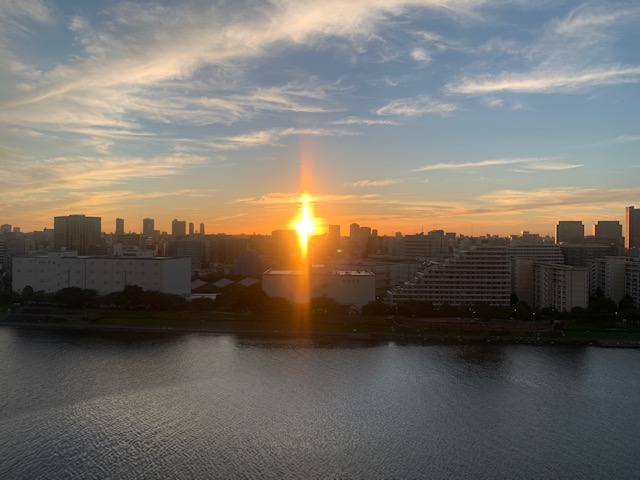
x=105, y=274
x=349, y=287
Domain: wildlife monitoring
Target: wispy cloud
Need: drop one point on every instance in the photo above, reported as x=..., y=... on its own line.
x=525, y=165
x=273, y=136
x=549, y=81
x=373, y=183
x=415, y=107
x=573, y=55
x=481, y=163
x=364, y=121
x=627, y=138
x=526, y=200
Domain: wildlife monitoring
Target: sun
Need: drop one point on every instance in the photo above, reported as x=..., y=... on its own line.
x=306, y=225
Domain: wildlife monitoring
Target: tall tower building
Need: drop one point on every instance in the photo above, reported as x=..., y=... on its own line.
x=202, y=229
x=119, y=226
x=192, y=229
x=148, y=226
x=178, y=228
x=608, y=231
x=76, y=232
x=334, y=231
x=632, y=228
x=569, y=231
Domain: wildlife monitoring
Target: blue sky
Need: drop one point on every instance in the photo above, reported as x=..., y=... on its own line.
x=469, y=116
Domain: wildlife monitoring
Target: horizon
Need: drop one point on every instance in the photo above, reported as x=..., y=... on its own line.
x=401, y=115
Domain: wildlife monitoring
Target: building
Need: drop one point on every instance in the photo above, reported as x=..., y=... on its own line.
x=632, y=228
x=616, y=277
x=202, y=229
x=434, y=244
x=561, y=287
x=608, y=231
x=148, y=227
x=578, y=255
x=522, y=258
x=478, y=275
x=609, y=275
x=178, y=228
x=632, y=281
x=348, y=287
x=105, y=274
x=119, y=226
x=192, y=229
x=387, y=273
x=569, y=231
x=192, y=248
x=77, y=233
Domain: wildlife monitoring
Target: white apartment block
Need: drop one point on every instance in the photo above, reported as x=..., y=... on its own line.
x=349, y=287
x=616, y=277
x=479, y=275
x=104, y=274
x=632, y=283
x=561, y=287
x=522, y=257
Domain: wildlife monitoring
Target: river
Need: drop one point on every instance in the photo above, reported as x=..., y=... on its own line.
x=139, y=405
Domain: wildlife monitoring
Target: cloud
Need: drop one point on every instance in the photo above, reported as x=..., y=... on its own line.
x=526, y=165
x=421, y=55
x=364, y=121
x=482, y=163
x=33, y=10
x=31, y=177
x=280, y=198
x=627, y=138
x=526, y=200
x=547, y=166
x=549, y=81
x=273, y=136
x=415, y=107
x=571, y=55
x=373, y=183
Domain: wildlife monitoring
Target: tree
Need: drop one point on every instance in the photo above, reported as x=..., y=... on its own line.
x=27, y=293
x=598, y=303
x=626, y=303
x=513, y=300
x=375, y=308
x=76, y=297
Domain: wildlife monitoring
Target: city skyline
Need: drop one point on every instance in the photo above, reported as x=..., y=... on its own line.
x=472, y=117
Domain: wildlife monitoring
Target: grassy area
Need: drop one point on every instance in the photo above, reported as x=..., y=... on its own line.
x=319, y=324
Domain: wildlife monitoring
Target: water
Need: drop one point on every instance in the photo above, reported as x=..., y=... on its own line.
x=123, y=405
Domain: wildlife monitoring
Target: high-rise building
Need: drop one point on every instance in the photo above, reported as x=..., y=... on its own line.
x=608, y=231
x=354, y=231
x=202, y=229
x=192, y=229
x=632, y=228
x=148, y=225
x=6, y=228
x=334, y=231
x=76, y=232
x=178, y=228
x=569, y=231
x=119, y=226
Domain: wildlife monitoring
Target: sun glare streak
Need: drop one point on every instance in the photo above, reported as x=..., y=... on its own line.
x=305, y=226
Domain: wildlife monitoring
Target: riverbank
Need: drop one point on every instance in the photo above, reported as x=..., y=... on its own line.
x=320, y=326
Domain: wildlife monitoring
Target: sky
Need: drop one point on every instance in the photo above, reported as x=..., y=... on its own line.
x=473, y=117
